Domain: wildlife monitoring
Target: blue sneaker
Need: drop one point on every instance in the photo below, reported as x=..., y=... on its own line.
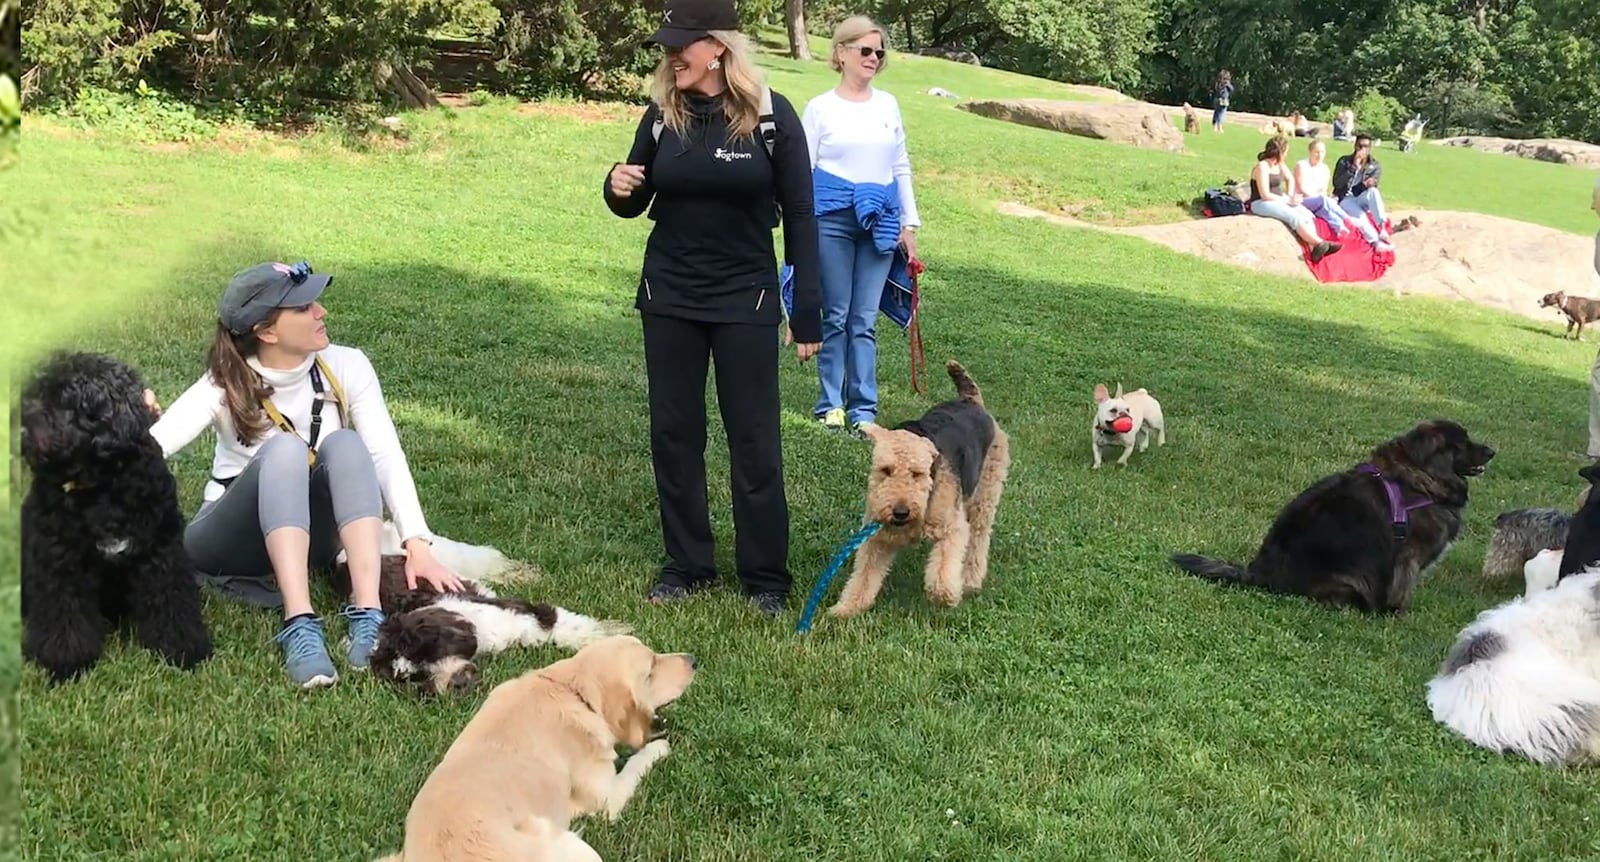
x=362, y=634
x=305, y=656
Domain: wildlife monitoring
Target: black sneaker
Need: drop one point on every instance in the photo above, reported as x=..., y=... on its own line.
x=662, y=594
x=770, y=604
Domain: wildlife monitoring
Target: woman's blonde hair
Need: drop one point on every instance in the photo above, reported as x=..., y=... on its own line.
x=853, y=28
x=742, y=102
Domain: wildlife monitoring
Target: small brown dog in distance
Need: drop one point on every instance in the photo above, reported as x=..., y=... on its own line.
x=1191, y=122
x=937, y=478
x=540, y=753
x=1578, y=309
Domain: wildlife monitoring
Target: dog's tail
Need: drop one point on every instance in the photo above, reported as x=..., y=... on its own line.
x=1504, y=693
x=966, y=387
x=1214, y=569
x=481, y=562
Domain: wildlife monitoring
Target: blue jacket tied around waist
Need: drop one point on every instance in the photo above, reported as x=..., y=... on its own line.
x=877, y=206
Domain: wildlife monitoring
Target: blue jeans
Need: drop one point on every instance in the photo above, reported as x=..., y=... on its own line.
x=1327, y=209
x=853, y=272
x=1367, y=201
x=1294, y=217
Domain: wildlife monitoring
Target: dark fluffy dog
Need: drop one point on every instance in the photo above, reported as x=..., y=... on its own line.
x=1341, y=541
x=102, y=536
x=1578, y=309
x=1519, y=535
x=1582, y=546
x=430, y=641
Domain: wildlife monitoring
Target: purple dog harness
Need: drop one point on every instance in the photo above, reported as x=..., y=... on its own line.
x=1399, y=509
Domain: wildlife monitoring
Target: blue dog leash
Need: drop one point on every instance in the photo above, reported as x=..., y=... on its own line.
x=848, y=548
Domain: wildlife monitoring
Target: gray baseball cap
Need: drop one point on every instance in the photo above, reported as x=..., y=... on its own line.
x=255, y=292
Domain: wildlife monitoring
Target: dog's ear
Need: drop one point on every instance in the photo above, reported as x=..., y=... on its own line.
x=1100, y=393
x=872, y=430
x=622, y=703
x=1424, y=458
x=1119, y=389
x=1590, y=474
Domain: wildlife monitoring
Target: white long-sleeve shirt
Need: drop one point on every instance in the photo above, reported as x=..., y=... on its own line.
x=863, y=142
x=203, y=406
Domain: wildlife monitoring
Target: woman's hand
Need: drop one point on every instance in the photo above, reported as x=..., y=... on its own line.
x=151, y=404
x=420, y=564
x=806, y=351
x=626, y=178
x=908, y=238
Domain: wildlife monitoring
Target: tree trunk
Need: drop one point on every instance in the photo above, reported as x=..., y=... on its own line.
x=794, y=15
x=412, y=91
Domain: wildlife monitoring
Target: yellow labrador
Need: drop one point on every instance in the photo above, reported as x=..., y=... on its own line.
x=540, y=752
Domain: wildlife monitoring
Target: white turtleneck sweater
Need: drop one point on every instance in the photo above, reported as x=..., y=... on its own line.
x=203, y=406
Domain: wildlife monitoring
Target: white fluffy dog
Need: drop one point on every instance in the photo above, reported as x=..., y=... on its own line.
x=1524, y=677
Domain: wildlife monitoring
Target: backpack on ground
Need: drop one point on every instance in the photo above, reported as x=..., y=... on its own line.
x=1221, y=203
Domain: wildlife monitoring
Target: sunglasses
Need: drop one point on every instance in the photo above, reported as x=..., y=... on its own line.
x=870, y=52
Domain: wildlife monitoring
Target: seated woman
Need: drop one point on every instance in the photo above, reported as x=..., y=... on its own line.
x=1312, y=178
x=1302, y=129
x=306, y=454
x=1272, y=194
x=1344, y=125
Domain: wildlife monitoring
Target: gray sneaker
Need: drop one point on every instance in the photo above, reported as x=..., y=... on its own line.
x=362, y=634
x=305, y=656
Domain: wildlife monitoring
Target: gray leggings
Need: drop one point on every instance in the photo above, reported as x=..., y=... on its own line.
x=226, y=539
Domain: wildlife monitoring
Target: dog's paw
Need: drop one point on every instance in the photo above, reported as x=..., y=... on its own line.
x=655, y=749
x=844, y=611
x=187, y=657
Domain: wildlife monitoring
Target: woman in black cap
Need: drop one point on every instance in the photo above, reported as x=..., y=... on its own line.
x=716, y=159
x=306, y=456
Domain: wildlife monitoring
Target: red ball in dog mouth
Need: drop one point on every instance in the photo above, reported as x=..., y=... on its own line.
x=1122, y=424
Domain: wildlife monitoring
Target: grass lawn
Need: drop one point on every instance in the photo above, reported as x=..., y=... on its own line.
x=1091, y=703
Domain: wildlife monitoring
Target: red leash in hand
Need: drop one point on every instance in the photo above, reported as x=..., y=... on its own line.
x=914, y=268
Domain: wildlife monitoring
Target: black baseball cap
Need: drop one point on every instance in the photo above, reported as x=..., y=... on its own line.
x=685, y=21
x=255, y=292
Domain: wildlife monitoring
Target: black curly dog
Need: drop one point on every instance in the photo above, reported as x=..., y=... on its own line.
x=102, y=535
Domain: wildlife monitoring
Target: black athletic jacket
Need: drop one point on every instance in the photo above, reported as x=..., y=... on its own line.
x=715, y=203
x=1347, y=178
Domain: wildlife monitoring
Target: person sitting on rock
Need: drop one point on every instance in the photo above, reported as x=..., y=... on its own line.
x=1311, y=180
x=1273, y=195
x=1355, y=184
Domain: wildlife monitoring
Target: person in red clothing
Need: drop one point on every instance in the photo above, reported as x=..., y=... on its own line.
x=709, y=289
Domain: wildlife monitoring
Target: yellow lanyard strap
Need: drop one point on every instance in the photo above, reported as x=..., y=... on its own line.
x=318, y=371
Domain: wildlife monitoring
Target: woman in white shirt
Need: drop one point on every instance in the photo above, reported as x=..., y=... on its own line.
x=292, y=479
x=861, y=179
x=1313, y=179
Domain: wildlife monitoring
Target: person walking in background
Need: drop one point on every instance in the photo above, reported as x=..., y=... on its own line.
x=708, y=291
x=861, y=177
x=1594, y=370
x=1221, y=97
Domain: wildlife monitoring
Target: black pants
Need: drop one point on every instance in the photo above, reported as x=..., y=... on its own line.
x=746, y=357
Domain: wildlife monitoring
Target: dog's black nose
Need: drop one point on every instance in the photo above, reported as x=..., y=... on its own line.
x=1488, y=453
x=693, y=663
x=900, y=514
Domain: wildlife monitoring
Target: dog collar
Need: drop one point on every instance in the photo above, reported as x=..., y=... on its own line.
x=1399, y=510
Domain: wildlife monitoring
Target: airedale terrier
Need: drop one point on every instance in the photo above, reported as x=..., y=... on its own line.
x=937, y=478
